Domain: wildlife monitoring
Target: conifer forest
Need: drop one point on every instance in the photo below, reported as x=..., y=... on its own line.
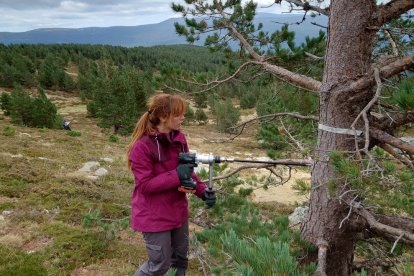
x=341, y=105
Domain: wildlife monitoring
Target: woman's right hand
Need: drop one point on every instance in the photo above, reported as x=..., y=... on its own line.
x=185, y=171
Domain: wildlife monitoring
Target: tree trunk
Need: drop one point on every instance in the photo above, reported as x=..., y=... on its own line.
x=347, y=58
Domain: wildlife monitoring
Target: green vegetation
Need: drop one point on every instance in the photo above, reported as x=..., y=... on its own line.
x=9, y=131
x=14, y=262
x=74, y=133
x=36, y=111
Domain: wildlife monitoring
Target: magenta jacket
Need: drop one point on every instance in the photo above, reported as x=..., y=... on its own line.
x=157, y=205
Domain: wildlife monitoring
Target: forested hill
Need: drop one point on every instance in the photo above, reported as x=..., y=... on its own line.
x=162, y=33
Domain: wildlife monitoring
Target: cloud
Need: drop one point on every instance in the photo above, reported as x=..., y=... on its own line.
x=24, y=15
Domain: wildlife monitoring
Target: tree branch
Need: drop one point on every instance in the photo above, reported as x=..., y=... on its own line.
x=386, y=230
x=387, y=71
x=215, y=83
x=364, y=112
x=405, y=223
x=286, y=75
x=286, y=162
x=306, y=7
x=269, y=117
x=297, y=143
x=395, y=120
x=393, y=10
x=389, y=139
x=394, y=47
x=313, y=56
x=301, y=80
x=397, y=156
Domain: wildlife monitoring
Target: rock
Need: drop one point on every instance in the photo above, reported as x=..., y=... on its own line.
x=298, y=215
x=44, y=158
x=6, y=213
x=17, y=156
x=100, y=172
x=92, y=177
x=25, y=134
x=107, y=159
x=89, y=166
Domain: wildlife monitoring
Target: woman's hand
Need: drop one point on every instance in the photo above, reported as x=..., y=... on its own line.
x=185, y=171
x=209, y=197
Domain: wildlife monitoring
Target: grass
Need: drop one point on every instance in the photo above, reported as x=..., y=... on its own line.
x=37, y=189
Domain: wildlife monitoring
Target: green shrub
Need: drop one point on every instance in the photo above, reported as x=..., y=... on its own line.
x=9, y=131
x=74, y=133
x=43, y=111
x=13, y=187
x=6, y=103
x=113, y=138
x=31, y=111
x=14, y=262
x=189, y=115
x=248, y=100
x=200, y=100
x=404, y=95
x=200, y=116
x=245, y=192
x=92, y=109
x=226, y=113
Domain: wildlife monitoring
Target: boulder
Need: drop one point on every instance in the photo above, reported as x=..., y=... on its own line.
x=298, y=215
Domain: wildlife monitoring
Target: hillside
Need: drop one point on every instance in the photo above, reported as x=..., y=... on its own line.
x=46, y=202
x=162, y=33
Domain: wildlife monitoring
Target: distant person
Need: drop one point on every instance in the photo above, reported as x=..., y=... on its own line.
x=66, y=125
x=159, y=210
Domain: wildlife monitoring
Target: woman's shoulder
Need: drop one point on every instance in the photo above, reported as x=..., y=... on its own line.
x=180, y=136
x=142, y=142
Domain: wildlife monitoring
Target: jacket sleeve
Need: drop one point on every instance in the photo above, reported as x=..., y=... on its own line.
x=142, y=167
x=201, y=186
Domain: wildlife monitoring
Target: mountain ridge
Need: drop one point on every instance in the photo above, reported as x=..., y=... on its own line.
x=162, y=33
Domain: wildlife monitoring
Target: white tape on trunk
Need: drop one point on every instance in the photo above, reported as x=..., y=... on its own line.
x=344, y=131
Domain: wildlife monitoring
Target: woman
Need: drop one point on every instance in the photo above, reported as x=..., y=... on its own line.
x=159, y=208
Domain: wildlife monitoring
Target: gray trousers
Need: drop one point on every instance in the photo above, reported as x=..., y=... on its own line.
x=165, y=249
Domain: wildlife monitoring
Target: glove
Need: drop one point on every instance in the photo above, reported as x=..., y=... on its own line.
x=188, y=185
x=209, y=197
x=185, y=171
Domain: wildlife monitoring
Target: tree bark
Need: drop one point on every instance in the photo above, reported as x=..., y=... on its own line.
x=347, y=59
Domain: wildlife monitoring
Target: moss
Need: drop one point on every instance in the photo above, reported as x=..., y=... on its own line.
x=6, y=206
x=14, y=262
x=13, y=187
x=74, y=247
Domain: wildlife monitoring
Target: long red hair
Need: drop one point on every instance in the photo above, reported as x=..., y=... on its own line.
x=159, y=106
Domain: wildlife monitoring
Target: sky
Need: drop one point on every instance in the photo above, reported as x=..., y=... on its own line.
x=24, y=15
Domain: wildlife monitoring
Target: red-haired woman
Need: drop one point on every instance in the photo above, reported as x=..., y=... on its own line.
x=159, y=209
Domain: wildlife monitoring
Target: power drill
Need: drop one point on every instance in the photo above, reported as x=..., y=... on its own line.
x=193, y=158
x=210, y=159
